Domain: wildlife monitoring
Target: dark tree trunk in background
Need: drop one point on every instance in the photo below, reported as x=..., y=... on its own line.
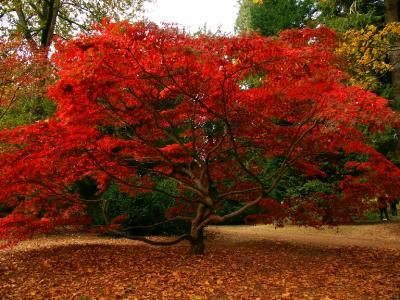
x=392, y=15
x=48, y=17
x=50, y=11
x=391, y=11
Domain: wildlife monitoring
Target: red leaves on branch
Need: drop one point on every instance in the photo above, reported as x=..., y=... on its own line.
x=139, y=103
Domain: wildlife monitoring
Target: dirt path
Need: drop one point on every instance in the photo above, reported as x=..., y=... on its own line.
x=378, y=236
x=381, y=236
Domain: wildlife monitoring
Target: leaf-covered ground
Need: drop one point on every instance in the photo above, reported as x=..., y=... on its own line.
x=254, y=268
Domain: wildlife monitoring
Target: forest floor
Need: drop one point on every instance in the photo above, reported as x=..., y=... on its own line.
x=241, y=262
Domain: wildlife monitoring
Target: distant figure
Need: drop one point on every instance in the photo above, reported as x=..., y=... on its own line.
x=393, y=207
x=383, y=209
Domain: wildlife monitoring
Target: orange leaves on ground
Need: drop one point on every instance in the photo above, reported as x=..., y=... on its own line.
x=260, y=270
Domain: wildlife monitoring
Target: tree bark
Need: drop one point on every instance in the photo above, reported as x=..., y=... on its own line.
x=50, y=10
x=392, y=15
x=391, y=11
x=197, y=245
x=24, y=24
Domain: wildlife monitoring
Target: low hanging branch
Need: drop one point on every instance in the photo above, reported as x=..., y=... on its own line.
x=123, y=233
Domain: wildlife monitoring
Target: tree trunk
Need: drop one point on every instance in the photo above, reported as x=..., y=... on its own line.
x=50, y=11
x=197, y=245
x=23, y=24
x=391, y=11
x=392, y=15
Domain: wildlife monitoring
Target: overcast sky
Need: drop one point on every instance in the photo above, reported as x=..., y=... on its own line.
x=193, y=14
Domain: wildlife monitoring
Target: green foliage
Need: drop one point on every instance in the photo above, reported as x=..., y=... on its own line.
x=343, y=15
x=352, y=21
x=270, y=17
x=242, y=23
x=311, y=187
x=387, y=144
x=26, y=111
x=371, y=215
x=143, y=210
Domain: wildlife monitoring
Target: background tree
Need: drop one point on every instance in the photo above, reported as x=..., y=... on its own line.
x=368, y=52
x=39, y=20
x=343, y=15
x=392, y=15
x=270, y=17
x=371, y=46
x=353, y=16
x=138, y=104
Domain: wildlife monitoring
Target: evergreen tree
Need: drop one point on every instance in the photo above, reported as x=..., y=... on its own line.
x=271, y=16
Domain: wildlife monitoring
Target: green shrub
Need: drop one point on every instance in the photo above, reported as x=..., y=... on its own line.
x=143, y=210
x=371, y=215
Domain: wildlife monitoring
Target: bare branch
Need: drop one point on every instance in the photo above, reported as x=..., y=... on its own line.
x=65, y=18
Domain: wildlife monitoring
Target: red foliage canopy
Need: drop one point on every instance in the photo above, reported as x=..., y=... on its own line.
x=137, y=103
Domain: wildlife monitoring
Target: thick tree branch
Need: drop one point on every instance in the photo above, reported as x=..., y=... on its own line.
x=278, y=176
x=26, y=31
x=53, y=8
x=139, y=187
x=153, y=226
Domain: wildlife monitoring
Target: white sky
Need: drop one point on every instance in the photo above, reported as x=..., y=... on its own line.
x=193, y=14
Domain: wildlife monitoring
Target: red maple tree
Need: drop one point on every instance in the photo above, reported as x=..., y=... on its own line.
x=139, y=103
